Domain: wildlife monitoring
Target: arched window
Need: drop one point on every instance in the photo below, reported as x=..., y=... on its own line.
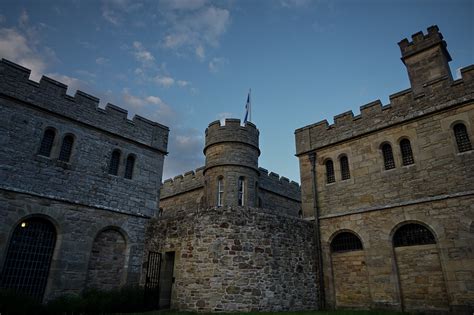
x=66, y=148
x=28, y=257
x=413, y=234
x=47, y=142
x=387, y=153
x=345, y=173
x=330, y=178
x=114, y=162
x=345, y=242
x=241, y=191
x=407, y=153
x=220, y=191
x=129, y=166
x=462, y=138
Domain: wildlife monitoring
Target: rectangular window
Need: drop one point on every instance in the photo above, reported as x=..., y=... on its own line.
x=241, y=191
x=220, y=192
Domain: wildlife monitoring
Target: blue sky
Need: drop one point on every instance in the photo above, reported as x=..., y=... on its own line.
x=186, y=63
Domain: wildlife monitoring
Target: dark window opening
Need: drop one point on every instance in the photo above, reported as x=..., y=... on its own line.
x=388, y=159
x=345, y=173
x=47, y=142
x=330, y=178
x=407, y=153
x=241, y=191
x=462, y=138
x=114, y=162
x=345, y=242
x=129, y=166
x=413, y=234
x=66, y=148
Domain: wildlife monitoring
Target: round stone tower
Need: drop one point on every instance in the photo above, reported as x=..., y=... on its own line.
x=231, y=170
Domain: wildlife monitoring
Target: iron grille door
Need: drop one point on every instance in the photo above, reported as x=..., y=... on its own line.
x=28, y=258
x=152, y=282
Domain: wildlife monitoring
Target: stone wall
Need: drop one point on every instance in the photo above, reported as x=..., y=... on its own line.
x=77, y=227
x=392, y=273
x=238, y=259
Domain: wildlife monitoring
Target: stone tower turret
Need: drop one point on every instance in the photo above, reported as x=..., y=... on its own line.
x=426, y=58
x=231, y=171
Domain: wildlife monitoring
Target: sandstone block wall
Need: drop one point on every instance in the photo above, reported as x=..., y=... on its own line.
x=424, y=277
x=238, y=259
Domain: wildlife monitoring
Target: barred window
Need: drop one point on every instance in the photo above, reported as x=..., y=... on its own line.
x=129, y=166
x=220, y=191
x=413, y=234
x=66, y=148
x=345, y=173
x=388, y=160
x=462, y=138
x=241, y=191
x=407, y=153
x=345, y=242
x=47, y=142
x=330, y=178
x=114, y=162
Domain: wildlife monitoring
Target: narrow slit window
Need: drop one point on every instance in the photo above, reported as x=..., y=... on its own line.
x=66, y=148
x=407, y=153
x=241, y=191
x=220, y=191
x=345, y=242
x=47, y=142
x=114, y=162
x=345, y=172
x=330, y=178
x=388, y=159
x=129, y=166
x=413, y=234
x=462, y=138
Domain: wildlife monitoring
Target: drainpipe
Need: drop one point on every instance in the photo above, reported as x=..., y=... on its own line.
x=317, y=235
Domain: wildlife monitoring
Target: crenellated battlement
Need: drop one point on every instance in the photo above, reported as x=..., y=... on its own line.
x=403, y=106
x=50, y=95
x=231, y=131
x=279, y=184
x=422, y=42
x=181, y=183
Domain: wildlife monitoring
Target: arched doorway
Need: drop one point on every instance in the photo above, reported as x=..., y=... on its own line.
x=28, y=258
x=420, y=275
x=349, y=271
x=107, y=260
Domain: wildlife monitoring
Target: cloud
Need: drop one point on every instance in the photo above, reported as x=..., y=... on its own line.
x=195, y=29
x=164, y=81
x=16, y=47
x=141, y=54
x=294, y=3
x=101, y=60
x=2, y=19
x=114, y=11
x=216, y=64
x=222, y=116
x=183, y=4
x=73, y=84
x=183, y=83
x=150, y=106
x=23, y=19
x=185, y=147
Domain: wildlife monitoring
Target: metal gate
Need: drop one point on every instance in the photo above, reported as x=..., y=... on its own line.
x=152, y=281
x=28, y=258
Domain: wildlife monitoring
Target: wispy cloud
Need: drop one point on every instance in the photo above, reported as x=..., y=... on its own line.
x=114, y=11
x=141, y=54
x=295, y=3
x=164, y=81
x=194, y=27
x=216, y=64
x=101, y=60
x=151, y=106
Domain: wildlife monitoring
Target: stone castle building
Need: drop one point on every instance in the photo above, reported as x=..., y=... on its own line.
x=233, y=232
x=77, y=185
x=383, y=217
x=391, y=191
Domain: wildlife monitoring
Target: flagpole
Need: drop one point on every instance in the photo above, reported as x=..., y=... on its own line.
x=250, y=106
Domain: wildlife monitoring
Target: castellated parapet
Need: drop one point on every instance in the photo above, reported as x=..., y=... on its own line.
x=50, y=95
x=404, y=106
x=281, y=185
